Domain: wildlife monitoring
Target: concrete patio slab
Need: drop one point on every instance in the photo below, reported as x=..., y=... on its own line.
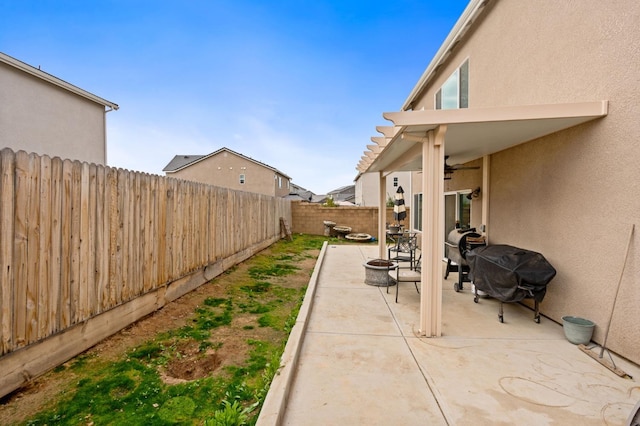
x=346, y=379
x=522, y=381
x=351, y=311
x=360, y=360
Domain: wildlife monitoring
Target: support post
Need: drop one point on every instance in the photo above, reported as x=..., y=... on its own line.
x=486, y=192
x=382, y=218
x=432, y=246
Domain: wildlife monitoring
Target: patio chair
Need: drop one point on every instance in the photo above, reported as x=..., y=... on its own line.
x=404, y=249
x=405, y=274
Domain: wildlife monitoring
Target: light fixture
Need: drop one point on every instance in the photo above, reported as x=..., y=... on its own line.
x=474, y=194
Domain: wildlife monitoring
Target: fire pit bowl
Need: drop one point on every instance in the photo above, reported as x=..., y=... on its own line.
x=341, y=231
x=358, y=237
x=377, y=272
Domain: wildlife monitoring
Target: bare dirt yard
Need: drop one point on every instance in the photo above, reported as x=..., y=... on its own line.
x=231, y=348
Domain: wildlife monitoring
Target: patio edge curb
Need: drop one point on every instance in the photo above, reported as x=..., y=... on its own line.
x=273, y=409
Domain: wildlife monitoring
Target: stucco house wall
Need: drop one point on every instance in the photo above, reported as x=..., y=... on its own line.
x=224, y=169
x=570, y=195
x=39, y=116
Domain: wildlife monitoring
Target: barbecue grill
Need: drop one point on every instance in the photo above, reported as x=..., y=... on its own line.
x=459, y=242
x=510, y=274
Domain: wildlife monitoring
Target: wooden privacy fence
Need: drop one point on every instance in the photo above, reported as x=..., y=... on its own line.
x=78, y=240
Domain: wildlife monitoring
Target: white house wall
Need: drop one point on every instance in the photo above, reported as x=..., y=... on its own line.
x=368, y=184
x=573, y=195
x=36, y=116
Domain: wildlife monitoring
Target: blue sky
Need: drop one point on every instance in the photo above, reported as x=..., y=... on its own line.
x=298, y=85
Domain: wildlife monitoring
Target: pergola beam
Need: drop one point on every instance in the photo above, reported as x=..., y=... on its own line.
x=381, y=141
x=388, y=131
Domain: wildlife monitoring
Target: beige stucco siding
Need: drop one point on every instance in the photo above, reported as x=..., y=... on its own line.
x=224, y=170
x=571, y=195
x=36, y=116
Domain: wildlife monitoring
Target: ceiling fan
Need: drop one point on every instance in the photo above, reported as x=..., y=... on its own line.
x=448, y=170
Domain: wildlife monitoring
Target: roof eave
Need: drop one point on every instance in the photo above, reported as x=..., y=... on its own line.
x=55, y=81
x=466, y=20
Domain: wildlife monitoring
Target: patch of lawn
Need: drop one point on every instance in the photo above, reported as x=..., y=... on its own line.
x=238, y=333
x=257, y=287
x=265, y=270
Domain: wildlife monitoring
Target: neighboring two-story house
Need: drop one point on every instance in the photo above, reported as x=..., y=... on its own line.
x=367, y=188
x=43, y=114
x=229, y=169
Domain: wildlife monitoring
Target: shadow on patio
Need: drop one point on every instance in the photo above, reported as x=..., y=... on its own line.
x=361, y=361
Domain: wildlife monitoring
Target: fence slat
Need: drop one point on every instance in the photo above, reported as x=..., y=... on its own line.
x=33, y=249
x=21, y=278
x=7, y=205
x=153, y=250
x=161, y=230
x=115, y=267
x=135, y=277
x=168, y=233
x=84, y=243
x=123, y=235
x=65, y=238
x=178, y=230
x=44, y=255
x=101, y=246
x=56, y=245
x=76, y=237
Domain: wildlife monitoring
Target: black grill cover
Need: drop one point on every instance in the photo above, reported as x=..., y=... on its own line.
x=508, y=273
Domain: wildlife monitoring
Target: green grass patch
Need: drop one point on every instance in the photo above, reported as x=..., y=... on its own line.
x=257, y=287
x=266, y=270
x=131, y=390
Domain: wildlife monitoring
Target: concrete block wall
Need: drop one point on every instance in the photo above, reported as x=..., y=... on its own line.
x=308, y=218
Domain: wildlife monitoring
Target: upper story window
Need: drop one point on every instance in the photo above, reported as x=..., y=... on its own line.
x=395, y=181
x=242, y=179
x=454, y=93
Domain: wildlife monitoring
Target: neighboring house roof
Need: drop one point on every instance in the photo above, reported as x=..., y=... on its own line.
x=344, y=193
x=295, y=197
x=297, y=188
x=37, y=72
x=303, y=193
x=343, y=189
x=180, y=162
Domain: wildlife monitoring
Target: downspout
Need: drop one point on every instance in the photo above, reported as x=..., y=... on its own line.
x=104, y=133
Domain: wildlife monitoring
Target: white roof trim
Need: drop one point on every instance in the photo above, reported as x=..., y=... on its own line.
x=55, y=81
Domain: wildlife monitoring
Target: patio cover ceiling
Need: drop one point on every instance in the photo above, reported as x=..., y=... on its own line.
x=470, y=133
